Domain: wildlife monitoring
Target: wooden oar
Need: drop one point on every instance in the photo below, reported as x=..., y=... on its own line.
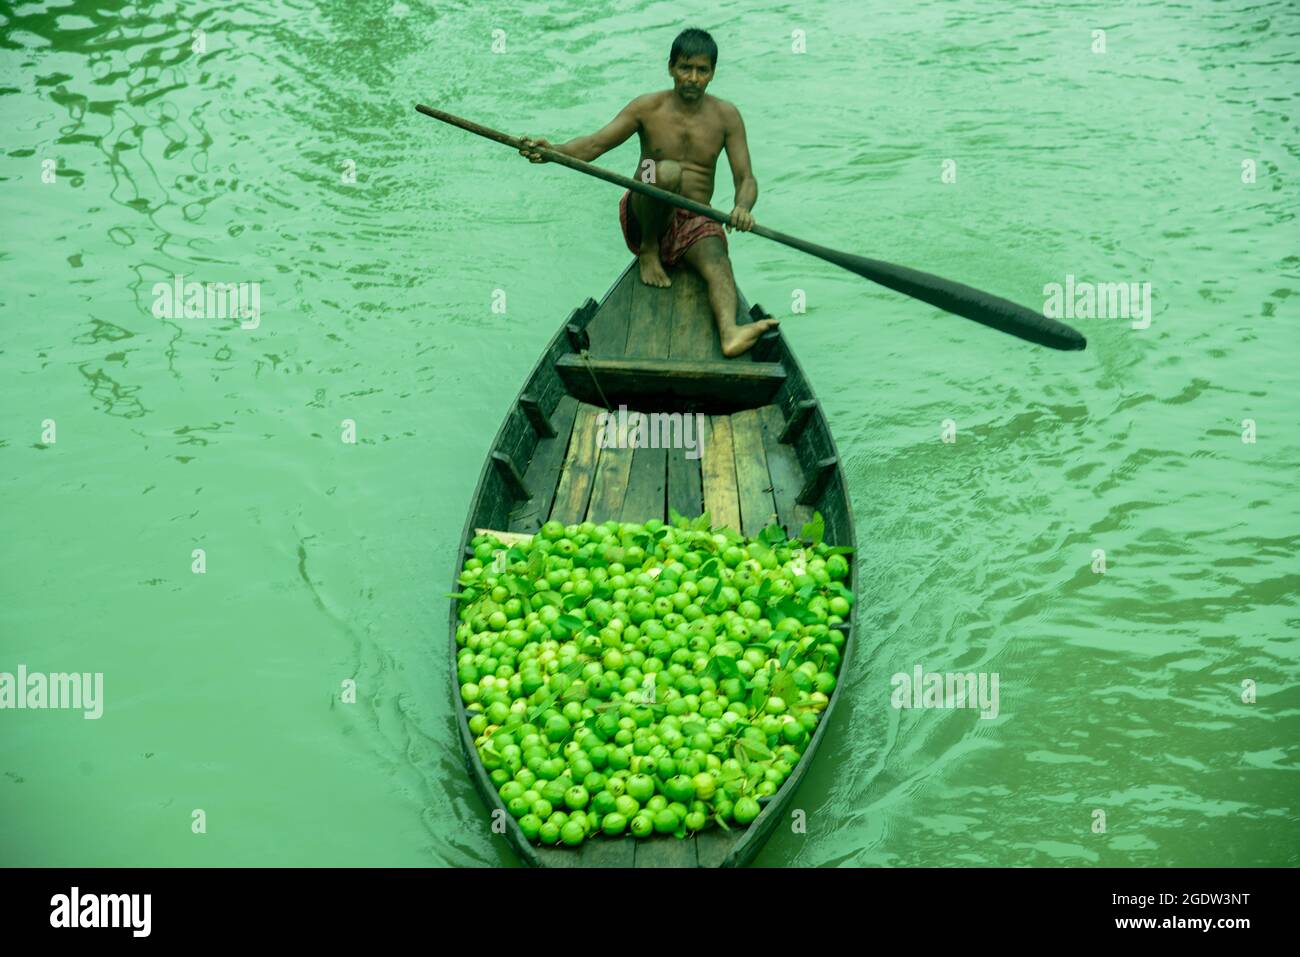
x=961, y=300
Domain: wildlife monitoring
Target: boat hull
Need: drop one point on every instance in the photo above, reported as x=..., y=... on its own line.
x=768, y=456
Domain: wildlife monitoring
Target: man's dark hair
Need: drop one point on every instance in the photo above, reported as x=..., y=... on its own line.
x=693, y=42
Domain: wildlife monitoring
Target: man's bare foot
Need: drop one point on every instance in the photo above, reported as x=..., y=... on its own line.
x=652, y=270
x=742, y=338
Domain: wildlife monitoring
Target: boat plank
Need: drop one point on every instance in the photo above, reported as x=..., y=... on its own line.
x=607, y=331
x=650, y=322
x=719, y=475
x=666, y=852
x=713, y=846
x=646, y=486
x=609, y=852
x=574, y=490
x=543, y=471
x=753, y=480
x=612, y=475
x=562, y=856
x=685, y=488
x=786, y=473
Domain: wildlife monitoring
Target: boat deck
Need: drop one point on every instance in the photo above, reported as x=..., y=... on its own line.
x=738, y=471
x=645, y=343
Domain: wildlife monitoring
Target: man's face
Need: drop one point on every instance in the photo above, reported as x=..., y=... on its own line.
x=691, y=74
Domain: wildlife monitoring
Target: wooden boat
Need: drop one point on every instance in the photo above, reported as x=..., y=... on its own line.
x=767, y=456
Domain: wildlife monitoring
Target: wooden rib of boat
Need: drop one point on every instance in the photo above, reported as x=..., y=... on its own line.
x=768, y=456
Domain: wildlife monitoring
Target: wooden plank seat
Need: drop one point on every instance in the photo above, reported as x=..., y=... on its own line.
x=719, y=384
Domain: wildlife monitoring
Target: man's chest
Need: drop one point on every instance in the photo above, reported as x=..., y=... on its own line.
x=697, y=140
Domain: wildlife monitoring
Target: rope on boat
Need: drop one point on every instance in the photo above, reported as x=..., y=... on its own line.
x=586, y=358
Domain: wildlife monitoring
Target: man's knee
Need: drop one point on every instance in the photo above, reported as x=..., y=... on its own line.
x=710, y=259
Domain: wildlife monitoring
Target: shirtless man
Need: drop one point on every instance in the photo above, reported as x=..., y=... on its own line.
x=682, y=131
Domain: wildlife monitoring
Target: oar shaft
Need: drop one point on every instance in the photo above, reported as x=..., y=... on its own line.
x=563, y=159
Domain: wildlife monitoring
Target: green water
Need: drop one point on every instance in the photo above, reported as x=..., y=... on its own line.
x=328, y=561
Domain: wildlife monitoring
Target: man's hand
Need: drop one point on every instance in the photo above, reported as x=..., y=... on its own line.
x=533, y=155
x=740, y=219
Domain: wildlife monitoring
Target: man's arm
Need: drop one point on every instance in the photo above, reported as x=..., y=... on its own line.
x=587, y=148
x=738, y=156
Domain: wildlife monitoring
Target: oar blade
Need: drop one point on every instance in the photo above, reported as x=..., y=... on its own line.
x=962, y=300
x=954, y=297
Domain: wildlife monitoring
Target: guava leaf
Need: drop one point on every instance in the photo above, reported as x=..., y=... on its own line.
x=742, y=754
x=570, y=623
x=815, y=530
x=789, y=608
x=536, y=564
x=783, y=687
x=723, y=665
x=717, y=590
x=839, y=589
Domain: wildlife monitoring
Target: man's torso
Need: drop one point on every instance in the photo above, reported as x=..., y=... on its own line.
x=692, y=139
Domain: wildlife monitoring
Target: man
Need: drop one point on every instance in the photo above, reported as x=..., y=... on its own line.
x=682, y=131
